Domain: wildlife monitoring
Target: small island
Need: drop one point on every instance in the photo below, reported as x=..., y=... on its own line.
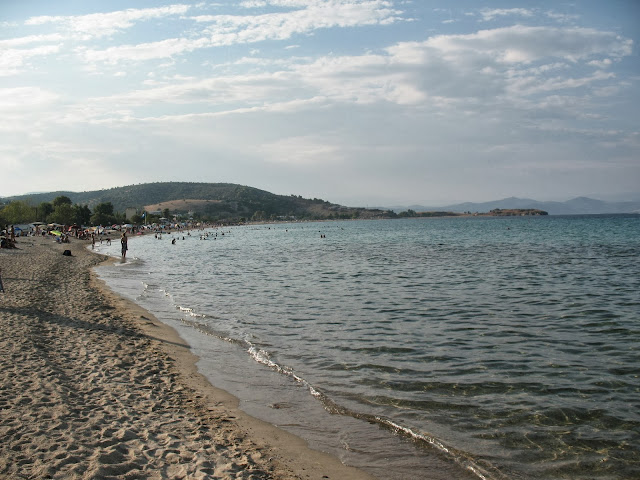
x=516, y=212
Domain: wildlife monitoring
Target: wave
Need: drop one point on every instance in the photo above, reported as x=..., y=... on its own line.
x=481, y=469
x=465, y=460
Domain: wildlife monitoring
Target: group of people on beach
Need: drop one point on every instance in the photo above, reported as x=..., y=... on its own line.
x=9, y=238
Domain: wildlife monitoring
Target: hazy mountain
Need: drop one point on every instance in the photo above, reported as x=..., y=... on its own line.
x=576, y=206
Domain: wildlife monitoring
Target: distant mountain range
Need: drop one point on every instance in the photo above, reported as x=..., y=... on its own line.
x=231, y=200
x=576, y=206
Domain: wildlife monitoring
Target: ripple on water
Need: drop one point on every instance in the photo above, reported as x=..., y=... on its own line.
x=512, y=342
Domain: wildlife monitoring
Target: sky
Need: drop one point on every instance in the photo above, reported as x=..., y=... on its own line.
x=358, y=102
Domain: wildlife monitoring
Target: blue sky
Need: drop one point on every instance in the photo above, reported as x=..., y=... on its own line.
x=360, y=102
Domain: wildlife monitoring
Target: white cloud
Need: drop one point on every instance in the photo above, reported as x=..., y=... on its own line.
x=105, y=24
x=562, y=17
x=253, y=4
x=21, y=41
x=461, y=73
x=489, y=14
x=523, y=44
x=532, y=85
x=13, y=60
x=298, y=151
x=21, y=98
x=227, y=30
x=604, y=63
x=144, y=51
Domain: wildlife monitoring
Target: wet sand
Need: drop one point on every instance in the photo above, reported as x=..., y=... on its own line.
x=94, y=387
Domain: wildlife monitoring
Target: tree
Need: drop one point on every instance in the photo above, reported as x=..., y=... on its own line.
x=103, y=214
x=18, y=212
x=43, y=211
x=119, y=217
x=61, y=200
x=82, y=214
x=64, y=214
x=166, y=213
x=408, y=213
x=150, y=218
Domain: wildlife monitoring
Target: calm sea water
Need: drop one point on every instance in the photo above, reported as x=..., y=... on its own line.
x=421, y=348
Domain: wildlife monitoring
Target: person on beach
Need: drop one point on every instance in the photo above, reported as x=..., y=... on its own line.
x=123, y=241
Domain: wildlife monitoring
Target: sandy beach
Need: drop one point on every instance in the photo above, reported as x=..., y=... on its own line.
x=94, y=387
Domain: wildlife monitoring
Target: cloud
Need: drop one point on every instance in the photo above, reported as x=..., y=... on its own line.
x=227, y=30
x=523, y=44
x=231, y=29
x=489, y=14
x=97, y=25
x=21, y=41
x=303, y=150
x=562, y=17
x=21, y=98
x=12, y=60
x=532, y=85
x=514, y=67
x=144, y=51
x=604, y=63
x=480, y=81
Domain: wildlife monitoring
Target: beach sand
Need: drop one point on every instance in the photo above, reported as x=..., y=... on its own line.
x=94, y=387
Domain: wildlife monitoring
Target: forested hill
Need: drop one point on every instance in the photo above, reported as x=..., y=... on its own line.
x=138, y=196
x=209, y=200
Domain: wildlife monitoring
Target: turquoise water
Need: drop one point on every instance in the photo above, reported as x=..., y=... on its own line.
x=488, y=347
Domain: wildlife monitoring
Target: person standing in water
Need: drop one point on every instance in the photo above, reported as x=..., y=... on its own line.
x=123, y=241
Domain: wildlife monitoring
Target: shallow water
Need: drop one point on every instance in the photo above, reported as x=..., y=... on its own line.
x=498, y=347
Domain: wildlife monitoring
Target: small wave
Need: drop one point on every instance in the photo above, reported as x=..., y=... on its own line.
x=189, y=311
x=145, y=291
x=461, y=458
x=210, y=331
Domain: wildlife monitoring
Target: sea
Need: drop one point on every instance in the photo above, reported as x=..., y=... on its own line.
x=424, y=348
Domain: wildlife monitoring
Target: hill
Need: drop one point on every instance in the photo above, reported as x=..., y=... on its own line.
x=576, y=206
x=207, y=200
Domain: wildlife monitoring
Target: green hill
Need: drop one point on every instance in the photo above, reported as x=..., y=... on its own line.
x=209, y=200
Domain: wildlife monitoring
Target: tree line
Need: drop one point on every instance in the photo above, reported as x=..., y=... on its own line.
x=61, y=210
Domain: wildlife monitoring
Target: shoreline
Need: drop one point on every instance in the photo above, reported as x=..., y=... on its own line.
x=94, y=386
